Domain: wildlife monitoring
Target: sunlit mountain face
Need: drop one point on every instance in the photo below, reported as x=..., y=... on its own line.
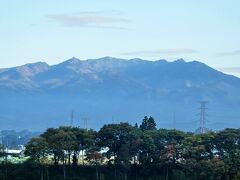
x=108, y=90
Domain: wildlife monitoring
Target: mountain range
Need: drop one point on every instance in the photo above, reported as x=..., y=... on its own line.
x=90, y=93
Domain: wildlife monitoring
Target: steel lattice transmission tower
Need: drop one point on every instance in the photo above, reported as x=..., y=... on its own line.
x=203, y=115
x=85, y=121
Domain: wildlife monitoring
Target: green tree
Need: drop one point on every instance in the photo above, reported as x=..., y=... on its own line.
x=148, y=123
x=147, y=148
x=226, y=141
x=86, y=139
x=135, y=143
x=151, y=124
x=2, y=152
x=114, y=138
x=94, y=157
x=211, y=169
x=54, y=148
x=144, y=125
x=37, y=149
x=232, y=160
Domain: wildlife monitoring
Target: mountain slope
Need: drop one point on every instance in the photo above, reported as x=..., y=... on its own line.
x=39, y=96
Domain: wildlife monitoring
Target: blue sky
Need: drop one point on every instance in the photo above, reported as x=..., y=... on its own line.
x=56, y=30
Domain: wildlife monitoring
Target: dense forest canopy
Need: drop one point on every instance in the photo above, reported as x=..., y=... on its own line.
x=123, y=151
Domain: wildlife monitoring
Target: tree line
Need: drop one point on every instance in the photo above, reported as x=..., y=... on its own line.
x=122, y=151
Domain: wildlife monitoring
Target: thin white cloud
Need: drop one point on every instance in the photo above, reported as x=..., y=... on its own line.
x=171, y=52
x=95, y=19
x=231, y=53
x=113, y=12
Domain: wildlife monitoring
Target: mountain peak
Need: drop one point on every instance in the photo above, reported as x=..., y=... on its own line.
x=109, y=58
x=36, y=64
x=73, y=60
x=25, y=71
x=33, y=68
x=181, y=60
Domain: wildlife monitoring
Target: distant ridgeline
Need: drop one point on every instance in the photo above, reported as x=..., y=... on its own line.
x=14, y=139
x=94, y=92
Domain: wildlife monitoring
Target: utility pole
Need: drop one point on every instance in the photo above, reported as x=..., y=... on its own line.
x=203, y=115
